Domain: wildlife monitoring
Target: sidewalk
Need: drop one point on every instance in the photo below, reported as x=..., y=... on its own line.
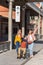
x=36, y=60
x=10, y=58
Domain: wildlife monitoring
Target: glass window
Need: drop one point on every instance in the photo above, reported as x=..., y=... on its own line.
x=15, y=30
x=6, y=30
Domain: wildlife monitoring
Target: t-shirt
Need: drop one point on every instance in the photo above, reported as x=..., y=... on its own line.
x=23, y=44
x=17, y=39
x=30, y=38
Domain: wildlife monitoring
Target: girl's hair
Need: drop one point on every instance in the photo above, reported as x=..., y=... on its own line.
x=18, y=31
x=30, y=31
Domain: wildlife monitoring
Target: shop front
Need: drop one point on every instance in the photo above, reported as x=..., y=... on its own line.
x=32, y=17
x=27, y=15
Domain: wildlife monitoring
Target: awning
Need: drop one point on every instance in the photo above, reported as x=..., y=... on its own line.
x=35, y=8
x=3, y=9
x=4, y=12
x=29, y=0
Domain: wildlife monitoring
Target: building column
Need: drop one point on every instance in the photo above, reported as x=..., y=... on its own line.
x=23, y=22
x=39, y=27
x=42, y=27
x=10, y=24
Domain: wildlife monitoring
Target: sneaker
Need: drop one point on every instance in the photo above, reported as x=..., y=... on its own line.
x=24, y=56
x=18, y=57
x=31, y=56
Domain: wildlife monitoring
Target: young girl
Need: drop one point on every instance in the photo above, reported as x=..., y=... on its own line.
x=22, y=48
x=17, y=40
x=30, y=39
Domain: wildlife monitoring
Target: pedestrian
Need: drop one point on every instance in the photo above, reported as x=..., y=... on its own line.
x=17, y=40
x=22, y=49
x=30, y=39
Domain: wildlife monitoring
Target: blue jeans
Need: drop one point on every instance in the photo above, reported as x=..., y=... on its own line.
x=17, y=46
x=30, y=48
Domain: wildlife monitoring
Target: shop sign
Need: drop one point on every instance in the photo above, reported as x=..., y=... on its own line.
x=17, y=18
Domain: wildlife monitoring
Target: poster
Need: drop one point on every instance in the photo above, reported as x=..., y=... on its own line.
x=17, y=19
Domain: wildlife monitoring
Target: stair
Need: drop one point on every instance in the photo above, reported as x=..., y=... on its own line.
x=39, y=41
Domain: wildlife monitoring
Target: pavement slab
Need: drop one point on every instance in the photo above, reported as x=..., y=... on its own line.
x=10, y=58
x=36, y=60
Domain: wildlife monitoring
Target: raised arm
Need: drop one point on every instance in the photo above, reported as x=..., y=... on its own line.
x=35, y=30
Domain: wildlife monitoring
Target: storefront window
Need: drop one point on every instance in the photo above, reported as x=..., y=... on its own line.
x=15, y=30
x=6, y=30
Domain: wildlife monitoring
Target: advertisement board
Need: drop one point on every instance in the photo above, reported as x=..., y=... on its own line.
x=17, y=19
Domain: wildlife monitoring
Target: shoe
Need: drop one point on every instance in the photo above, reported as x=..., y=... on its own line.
x=18, y=57
x=24, y=57
x=31, y=56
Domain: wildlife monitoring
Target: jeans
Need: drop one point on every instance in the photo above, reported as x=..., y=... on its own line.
x=17, y=46
x=30, y=48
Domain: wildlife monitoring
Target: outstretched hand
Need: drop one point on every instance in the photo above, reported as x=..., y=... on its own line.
x=35, y=30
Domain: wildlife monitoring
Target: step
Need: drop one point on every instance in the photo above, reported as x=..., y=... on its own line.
x=39, y=41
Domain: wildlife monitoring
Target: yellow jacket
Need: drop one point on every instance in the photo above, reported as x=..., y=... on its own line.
x=17, y=38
